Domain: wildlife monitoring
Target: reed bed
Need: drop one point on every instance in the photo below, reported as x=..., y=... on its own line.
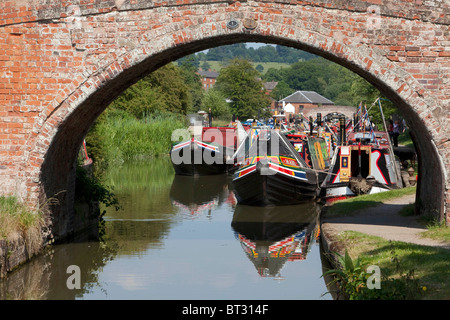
x=121, y=137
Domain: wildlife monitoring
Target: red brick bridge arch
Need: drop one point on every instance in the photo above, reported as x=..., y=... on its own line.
x=63, y=62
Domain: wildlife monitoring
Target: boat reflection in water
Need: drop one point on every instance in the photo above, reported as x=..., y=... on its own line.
x=271, y=236
x=198, y=194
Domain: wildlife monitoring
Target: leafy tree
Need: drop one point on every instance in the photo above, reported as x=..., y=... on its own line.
x=221, y=53
x=201, y=56
x=292, y=55
x=366, y=94
x=277, y=75
x=282, y=90
x=267, y=54
x=164, y=90
x=238, y=50
x=343, y=98
x=214, y=100
x=306, y=72
x=333, y=81
x=311, y=75
x=189, y=68
x=206, y=65
x=239, y=82
x=192, y=60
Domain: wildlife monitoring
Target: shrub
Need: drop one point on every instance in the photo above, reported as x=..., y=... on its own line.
x=352, y=279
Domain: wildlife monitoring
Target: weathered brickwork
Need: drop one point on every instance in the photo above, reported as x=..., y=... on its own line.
x=62, y=62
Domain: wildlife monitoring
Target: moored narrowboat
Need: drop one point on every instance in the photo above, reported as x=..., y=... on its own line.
x=364, y=166
x=196, y=157
x=273, y=173
x=208, y=152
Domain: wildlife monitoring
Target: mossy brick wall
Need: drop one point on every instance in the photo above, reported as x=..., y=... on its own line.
x=63, y=62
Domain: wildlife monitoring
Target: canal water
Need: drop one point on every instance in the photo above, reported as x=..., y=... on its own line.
x=181, y=238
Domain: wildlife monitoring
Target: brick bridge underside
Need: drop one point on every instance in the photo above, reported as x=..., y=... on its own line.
x=62, y=62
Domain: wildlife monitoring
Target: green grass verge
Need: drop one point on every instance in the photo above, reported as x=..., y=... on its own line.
x=419, y=272
x=350, y=206
x=437, y=231
x=405, y=139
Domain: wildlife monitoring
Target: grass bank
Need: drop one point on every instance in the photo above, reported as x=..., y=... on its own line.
x=351, y=206
x=21, y=233
x=405, y=139
x=407, y=271
x=16, y=217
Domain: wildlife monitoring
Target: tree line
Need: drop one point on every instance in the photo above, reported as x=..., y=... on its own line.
x=176, y=88
x=267, y=53
x=303, y=71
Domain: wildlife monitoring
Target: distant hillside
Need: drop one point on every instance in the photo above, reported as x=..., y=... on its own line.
x=267, y=56
x=217, y=65
x=267, y=53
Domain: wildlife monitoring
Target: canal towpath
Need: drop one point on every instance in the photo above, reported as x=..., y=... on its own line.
x=383, y=221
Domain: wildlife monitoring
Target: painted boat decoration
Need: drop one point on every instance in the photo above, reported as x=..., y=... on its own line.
x=314, y=150
x=273, y=173
x=364, y=164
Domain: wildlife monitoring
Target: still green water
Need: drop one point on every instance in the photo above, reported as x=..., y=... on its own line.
x=183, y=238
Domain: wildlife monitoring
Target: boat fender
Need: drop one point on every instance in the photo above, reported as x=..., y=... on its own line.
x=263, y=167
x=359, y=185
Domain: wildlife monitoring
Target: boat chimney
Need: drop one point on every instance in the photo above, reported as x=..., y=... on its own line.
x=311, y=124
x=355, y=121
x=319, y=124
x=210, y=118
x=342, y=130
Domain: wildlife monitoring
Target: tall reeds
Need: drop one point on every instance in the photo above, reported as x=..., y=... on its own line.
x=121, y=137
